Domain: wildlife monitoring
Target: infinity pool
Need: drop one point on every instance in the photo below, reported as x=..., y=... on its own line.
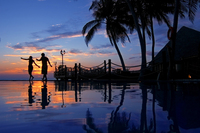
x=98, y=107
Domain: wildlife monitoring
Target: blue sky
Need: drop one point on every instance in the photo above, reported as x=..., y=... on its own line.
x=31, y=27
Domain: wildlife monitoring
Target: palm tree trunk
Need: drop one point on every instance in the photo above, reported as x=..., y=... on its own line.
x=153, y=109
x=173, y=41
x=143, y=121
x=143, y=50
x=141, y=38
x=119, y=53
x=153, y=42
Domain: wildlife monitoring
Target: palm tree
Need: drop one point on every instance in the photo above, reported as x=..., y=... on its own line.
x=159, y=11
x=90, y=126
x=181, y=7
x=108, y=12
x=141, y=38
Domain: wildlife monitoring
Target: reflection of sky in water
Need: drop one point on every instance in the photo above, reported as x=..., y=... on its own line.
x=65, y=111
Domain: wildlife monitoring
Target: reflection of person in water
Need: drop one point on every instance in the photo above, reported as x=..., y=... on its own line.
x=30, y=96
x=44, y=65
x=30, y=66
x=45, y=98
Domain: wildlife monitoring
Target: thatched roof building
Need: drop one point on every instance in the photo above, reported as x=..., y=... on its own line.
x=187, y=54
x=187, y=45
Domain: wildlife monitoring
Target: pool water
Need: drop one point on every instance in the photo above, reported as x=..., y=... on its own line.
x=99, y=107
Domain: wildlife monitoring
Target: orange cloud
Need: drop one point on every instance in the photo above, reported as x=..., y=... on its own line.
x=12, y=55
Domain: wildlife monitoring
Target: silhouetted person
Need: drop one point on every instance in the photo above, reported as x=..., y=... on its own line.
x=44, y=60
x=30, y=66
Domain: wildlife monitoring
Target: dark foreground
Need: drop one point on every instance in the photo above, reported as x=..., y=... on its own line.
x=99, y=107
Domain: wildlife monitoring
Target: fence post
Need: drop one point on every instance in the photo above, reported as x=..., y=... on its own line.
x=105, y=66
x=75, y=71
x=79, y=70
x=109, y=93
x=65, y=72
x=75, y=89
x=109, y=68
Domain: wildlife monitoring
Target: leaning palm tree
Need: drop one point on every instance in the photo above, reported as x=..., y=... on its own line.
x=141, y=38
x=159, y=11
x=180, y=7
x=108, y=12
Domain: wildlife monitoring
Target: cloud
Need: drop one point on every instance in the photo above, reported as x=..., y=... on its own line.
x=148, y=53
x=94, y=53
x=58, y=58
x=56, y=36
x=100, y=50
x=75, y=52
x=28, y=47
x=70, y=60
x=60, y=36
x=56, y=29
x=106, y=53
x=100, y=47
x=133, y=58
x=41, y=44
x=12, y=55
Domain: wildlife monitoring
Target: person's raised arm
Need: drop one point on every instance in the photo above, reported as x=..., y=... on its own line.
x=39, y=59
x=24, y=58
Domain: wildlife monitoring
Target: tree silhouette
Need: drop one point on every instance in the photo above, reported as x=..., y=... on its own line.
x=110, y=13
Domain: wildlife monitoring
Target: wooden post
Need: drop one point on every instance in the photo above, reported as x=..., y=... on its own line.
x=75, y=89
x=65, y=72
x=109, y=93
x=109, y=68
x=79, y=90
x=105, y=92
x=79, y=70
x=75, y=67
x=105, y=66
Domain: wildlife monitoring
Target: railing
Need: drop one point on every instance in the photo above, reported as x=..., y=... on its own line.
x=109, y=70
x=101, y=71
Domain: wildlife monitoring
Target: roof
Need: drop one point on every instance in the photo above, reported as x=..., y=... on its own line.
x=187, y=45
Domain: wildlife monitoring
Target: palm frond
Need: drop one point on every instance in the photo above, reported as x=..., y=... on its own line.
x=91, y=32
x=192, y=7
x=89, y=25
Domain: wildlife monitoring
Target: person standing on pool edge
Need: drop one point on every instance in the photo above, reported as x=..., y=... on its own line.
x=44, y=60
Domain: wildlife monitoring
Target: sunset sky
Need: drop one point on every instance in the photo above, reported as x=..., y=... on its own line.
x=32, y=27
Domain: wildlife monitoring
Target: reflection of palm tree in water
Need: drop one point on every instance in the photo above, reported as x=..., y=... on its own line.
x=45, y=98
x=143, y=121
x=143, y=124
x=119, y=122
x=90, y=127
x=172, y=111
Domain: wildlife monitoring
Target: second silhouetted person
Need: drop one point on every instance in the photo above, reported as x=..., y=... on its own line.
x=44, y=60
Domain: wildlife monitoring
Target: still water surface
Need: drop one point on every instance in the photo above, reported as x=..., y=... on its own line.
x=99, y=107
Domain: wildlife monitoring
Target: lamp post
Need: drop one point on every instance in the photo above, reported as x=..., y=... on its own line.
x=62, y=52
